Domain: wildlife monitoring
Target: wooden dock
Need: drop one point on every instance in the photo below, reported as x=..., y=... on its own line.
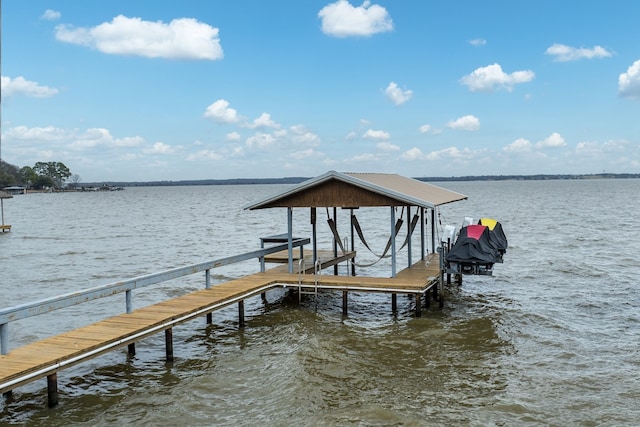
x=44, y=358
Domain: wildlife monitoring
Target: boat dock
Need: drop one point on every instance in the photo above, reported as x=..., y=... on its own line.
x=47, y=357
x=300, y=270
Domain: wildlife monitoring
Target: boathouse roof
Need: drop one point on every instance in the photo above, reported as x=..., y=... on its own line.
x=351, y=190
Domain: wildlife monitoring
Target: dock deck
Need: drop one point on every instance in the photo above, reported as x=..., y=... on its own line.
x=44, y=358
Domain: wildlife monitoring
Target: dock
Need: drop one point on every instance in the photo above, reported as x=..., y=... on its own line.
x=46, y=357
x=299, y=270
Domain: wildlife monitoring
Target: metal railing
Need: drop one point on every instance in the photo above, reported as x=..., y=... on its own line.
x=47, y=305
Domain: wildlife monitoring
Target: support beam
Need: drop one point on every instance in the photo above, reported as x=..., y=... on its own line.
x=418, y=305
x=168, y=341
x=353, y=243
x=52, y=390
x=290, y=237
x=433, y=230
x=131, y=348
x=422, y=237
x=241, y=313
x=209, y=318
x=335, y=243
x=393, y=242
x=410, y=263
x=344, y=303
x=394, y=303
x=314, y=233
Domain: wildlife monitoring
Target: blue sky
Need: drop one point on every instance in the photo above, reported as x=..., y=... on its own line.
x=147, y=90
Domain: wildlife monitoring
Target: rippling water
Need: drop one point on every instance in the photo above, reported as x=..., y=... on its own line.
x=552, y=338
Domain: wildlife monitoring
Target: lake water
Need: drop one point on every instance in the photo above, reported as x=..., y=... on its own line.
x=553, y=338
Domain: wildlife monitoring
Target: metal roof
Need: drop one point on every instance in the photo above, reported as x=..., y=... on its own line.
x=335, y=189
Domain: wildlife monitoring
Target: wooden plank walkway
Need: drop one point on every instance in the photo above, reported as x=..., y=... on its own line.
x=45, y=357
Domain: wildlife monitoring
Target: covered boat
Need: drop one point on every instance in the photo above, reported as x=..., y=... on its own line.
x=496, y=236
x=472, y=252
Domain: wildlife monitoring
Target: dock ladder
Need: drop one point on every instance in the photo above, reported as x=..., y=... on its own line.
x=306, y=290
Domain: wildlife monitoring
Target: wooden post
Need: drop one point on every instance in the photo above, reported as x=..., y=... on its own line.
x=209, y=318
x=344, y=303
x=418, y=305
x=168, y=340
x=241, y=313
x=132, y=349
x=394, y=303
x=52, y=390
x=335, y=243
x=264, y=297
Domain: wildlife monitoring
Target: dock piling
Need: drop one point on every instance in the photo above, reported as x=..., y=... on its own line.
x=168, y=339
x=344, y=302
x=241, y=313
x=52, y=390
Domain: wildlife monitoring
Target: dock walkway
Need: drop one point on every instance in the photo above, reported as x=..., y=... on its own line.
x=44, y=358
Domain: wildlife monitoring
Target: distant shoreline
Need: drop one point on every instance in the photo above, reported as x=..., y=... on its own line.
x=297, y=180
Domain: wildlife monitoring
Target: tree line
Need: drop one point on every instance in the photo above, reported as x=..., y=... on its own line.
x=41, y=176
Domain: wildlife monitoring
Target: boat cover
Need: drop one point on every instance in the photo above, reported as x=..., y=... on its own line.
x=496, y=235
x=473, y=246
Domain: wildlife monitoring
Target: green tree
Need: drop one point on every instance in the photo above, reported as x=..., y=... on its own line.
x=57, y=171
x=43, y=182
x=9, y=174
x=28, y=176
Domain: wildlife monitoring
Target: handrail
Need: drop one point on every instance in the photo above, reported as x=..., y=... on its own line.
x=50, y=304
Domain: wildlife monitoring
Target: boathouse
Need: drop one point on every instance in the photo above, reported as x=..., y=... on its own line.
x=351, y=191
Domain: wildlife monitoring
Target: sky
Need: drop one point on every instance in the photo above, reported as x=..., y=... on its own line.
x=145, y=90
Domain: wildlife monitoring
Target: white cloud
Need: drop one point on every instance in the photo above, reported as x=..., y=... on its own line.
x=520, y=145
x=387, y=146
x=233, y=136
x=25, y=133
x=397, y=95
x=205, y=155
x=21, y=86
x=468, y=123
x=341, y=19
x=160, y=148
x=309, y=153
x=376, y=135
x=261, y=140
x=220, y=112
x=264, y=121
x=478, y=42
x=552, y=141
x=564, y=53
x=95, y=137
x=300, y=135
x=629, y=82
x=428, y=129
x=425, y=128
x=50, y=15
x=412, y=154
x=486, y=79
x=184, y=38
x=450, y=153
x=360, y=158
